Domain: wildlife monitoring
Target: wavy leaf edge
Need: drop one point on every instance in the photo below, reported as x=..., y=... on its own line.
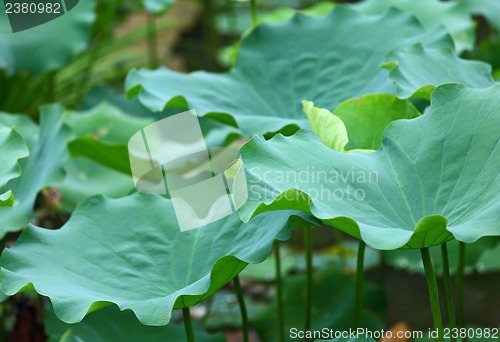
x=178, y=300
x=411, y=238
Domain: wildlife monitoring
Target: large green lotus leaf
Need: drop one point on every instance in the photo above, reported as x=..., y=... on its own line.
x=423, y=69
x=29, y=132
x=280, y=65
x=43, y=167
x=85, y=178
x=111, y=325
x=489, y=8
x=24, y=125
x=431, y=13
x=332, y=305
x=12, y=148
x=100, y=94
x=49, y=46
x=113, y=156
x=435, y=178
x=99, y=163
x=131, y=252
x=107, y=123
x=102, y=135
x=358, y=124
x=215, y=133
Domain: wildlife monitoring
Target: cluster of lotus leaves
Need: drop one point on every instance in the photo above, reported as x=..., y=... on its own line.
x=435, y=177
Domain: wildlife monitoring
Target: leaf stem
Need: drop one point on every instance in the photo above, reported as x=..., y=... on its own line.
x=152, y=41
x=447, y=289
x=433, y=293
x=381, y=271
x=279, y=292
x=340, y=244
x=309, y=272
x=188, y=325
x=253, y=10
x=460, y=284
x=243, y=308
x=358, y=300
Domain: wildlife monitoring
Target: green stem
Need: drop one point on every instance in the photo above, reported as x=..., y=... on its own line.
x=447, y=289
x=279, y=292
x=211, y=43
x=433, y=293
x=460, y=284
x=381, y=271
x=82, y=87
x=253, y=9
x=230, y=18
x=309, y=272
x=188, y=325
x=243, y=308
x=358, y=301
x=152, y=41
x=339, y=239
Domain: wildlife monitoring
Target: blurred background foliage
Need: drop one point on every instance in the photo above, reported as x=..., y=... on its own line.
x=85, y=72
x=114, y=36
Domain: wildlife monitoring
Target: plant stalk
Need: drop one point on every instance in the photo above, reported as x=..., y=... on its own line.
x=460, y=284
x=253, y=10
x=433, y=293
x=447, y=289
x=340, y=244
x=309, y=274
x=152, y=41
x=279, y=292
x=243, y=308
x=188, y=325
x=210, y=37
x=381, y=271
x=358, y=300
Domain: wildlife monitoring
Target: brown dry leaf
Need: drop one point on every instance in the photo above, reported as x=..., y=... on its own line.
x=52, y=197
x=401, y=326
